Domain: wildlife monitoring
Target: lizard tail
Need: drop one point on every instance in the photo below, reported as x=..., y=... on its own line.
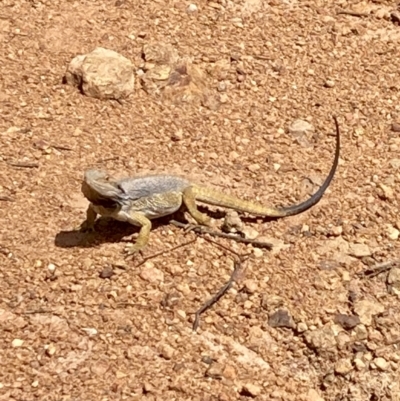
x=217, y=198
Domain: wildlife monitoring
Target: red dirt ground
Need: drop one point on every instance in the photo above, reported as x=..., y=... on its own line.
x=66, y=333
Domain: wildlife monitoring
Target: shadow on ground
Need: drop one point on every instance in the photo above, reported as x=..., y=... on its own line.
x=106, y=231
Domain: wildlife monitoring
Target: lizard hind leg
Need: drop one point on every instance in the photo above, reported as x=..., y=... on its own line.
x=189, y=200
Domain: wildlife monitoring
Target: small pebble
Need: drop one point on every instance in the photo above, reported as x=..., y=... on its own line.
x=51, y=267
x=300, y=127
x=167, y=352
x=50, y=349
x=281, y=318
x=151, y=274
x=343, y=366
x=90, y=331
x=313, y=396
x=347, y=321
x=329, y=83
x=392, y=233
x=191, y=8
x=359, y=250
x=17, y=343
x=381, y=364
x=387, y=192
x=250, y=286
x=250, y=233
x=302, y=327
x=229, y=372
x=215, y=371
x=359, y=364
x=258, y=253
x=251, y=390
x=395, y=127
x=254, y=167
x=107, y=272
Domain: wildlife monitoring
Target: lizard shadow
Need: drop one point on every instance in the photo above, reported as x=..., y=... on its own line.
x=107, y=230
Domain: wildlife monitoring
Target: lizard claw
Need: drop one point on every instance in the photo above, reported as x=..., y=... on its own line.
x=131, y=249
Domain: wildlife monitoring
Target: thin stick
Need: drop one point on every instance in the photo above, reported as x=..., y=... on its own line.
x=221, y=292
x=163, y=252
x=61, y=147
x=237, y=268
x=24, y=164
x=6, y=198
x=380, y=268
x=353, y=13
x=205, y=230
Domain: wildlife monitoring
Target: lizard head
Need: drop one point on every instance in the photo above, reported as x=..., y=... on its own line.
x=98, y=186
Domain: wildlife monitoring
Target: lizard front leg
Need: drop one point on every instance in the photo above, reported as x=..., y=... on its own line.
x=88, y=224
x=189, y=199
x=138, y=219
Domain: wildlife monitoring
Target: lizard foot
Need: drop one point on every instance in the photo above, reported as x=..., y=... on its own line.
x=134, y=248
x=190, y=227
x=85, y=228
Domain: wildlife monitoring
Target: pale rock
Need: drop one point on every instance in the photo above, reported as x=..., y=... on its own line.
x=359, y=250
x=249, y=232
x=254, y=167
x=251, y=389
x=51, y=267
x=343, y=366
x=321, y=339
x=394, y=163
x=90, y=331
x=232, y=222
x=366, y=309
x=151, y=274
x=250, y=286
x=359, y=364
x=393, y=281
x=300, y=127
x=313, y=395
x=167, y=352
x=381, y=364
x=387, y=192
x=16, y=343
x=258, y=253
x=191, y=8
x=329, y=83
x=391, y=232
x=361, y=332
x=102, y=74
x=302, y=327
x=277, y=244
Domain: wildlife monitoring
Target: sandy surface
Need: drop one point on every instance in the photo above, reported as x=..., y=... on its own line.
x=67, y=333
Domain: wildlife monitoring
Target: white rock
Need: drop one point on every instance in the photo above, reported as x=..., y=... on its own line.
x=102, y=74
x=366, y=309
x=300, y=127
x=17, y=343
x=192, y=8
x=359, y=250
x=381, y=364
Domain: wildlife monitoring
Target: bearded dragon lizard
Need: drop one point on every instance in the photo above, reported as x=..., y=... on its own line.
x=138, y=200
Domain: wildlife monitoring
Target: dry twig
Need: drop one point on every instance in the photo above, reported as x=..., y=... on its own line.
x=24, y=164
x=205, y=230
x=380, y=268
x=237, y=268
